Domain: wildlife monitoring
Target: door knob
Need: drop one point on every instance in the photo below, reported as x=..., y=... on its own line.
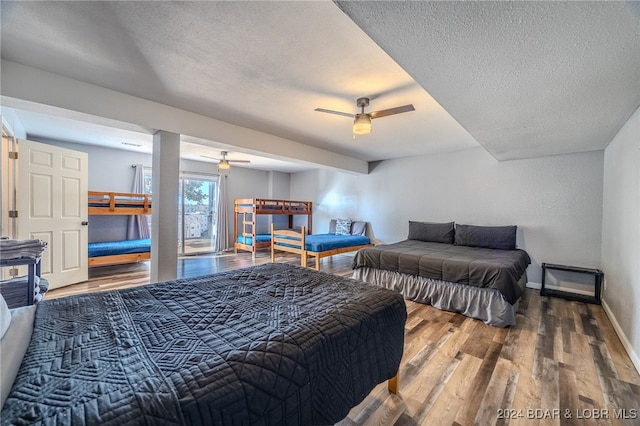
x=84, y=223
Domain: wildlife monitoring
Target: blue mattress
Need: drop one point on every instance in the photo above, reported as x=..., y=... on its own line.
x=261, y=238
x=263, y=207
x=119, y=247
x=128, y=202
x=119, y=205
x=326, y=242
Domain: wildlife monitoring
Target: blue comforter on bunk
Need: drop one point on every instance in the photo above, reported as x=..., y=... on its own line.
x=119, y=247
x=326, y=242
x=260, y=238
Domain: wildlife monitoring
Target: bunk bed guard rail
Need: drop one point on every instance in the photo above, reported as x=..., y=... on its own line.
x=124, y=203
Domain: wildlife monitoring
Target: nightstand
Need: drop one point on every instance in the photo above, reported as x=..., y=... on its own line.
x=598, y=276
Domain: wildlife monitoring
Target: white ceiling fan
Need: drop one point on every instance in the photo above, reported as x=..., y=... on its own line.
x=224, y=163
x=362, y=120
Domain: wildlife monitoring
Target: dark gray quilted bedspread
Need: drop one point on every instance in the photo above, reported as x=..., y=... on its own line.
x=479, y=267
x=273, y=344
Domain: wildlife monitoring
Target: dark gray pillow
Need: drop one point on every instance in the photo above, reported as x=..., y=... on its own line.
x=495, y=237
x=332, y=226
x=431, y=232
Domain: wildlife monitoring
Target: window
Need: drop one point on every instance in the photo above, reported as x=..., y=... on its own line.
x=197, y=201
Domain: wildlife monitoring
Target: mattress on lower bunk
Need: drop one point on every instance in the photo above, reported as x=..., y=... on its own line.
x=110, y=248
x=326, y=242
x=260, y=238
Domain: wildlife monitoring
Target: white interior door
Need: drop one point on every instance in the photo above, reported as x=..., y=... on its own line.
x=52, y=206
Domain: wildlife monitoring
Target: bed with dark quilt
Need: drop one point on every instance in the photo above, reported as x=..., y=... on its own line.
x=470, y=269
x=271, y=344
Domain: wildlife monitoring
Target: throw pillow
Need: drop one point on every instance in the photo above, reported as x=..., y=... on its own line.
x=431, y=232
x=343, y=227
x=5, y=316
x=358, y=228
x=494, y=237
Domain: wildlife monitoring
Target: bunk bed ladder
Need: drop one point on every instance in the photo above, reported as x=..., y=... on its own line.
x=251, y=224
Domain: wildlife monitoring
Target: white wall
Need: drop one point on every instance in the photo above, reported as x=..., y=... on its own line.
x=621, y=234
x=10, y=119
x=555, y=201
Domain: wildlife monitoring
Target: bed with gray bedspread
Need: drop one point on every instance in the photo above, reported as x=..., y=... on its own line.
x=483, y=280
x=272, y=344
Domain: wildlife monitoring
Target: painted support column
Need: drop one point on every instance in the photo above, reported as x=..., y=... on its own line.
x=164, y=219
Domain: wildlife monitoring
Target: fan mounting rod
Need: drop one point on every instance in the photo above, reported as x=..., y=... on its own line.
x=362, y=103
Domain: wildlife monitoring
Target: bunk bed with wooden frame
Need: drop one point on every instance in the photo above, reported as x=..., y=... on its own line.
x=318, y=245
x=246, y=211
x=123, y=204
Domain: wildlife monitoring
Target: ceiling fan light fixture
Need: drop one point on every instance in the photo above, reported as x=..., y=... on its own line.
x=362, y=124
x=224, y=165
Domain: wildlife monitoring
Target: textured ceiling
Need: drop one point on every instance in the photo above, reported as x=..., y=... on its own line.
x=523, y=79
x=261, y=65
x=526, y=79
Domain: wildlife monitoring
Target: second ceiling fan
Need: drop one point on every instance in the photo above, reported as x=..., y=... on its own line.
x=224, y=163
x=362, y=120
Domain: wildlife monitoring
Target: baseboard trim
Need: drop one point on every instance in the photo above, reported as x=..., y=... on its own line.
x=623, y=338
x=535, y=286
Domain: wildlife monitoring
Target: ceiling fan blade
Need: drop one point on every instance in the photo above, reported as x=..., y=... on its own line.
x=225, y=159
x=330, y=111
x=391, y=111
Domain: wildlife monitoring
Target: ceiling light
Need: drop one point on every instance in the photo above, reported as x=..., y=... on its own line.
x=131, y=144
x=362, y=124
x=224, y=165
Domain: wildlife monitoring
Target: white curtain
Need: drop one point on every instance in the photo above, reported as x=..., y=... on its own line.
x=222, y=225
x=138, y=227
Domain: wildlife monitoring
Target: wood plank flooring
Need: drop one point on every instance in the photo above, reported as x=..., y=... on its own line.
x=561, y=364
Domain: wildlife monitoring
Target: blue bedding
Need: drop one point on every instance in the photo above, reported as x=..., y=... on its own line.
x=119, y=247
x=127, y=202
x=326, y=242
x=119, y=205
x=260, y=238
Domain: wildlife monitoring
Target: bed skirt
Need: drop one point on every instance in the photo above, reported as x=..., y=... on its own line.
x=485, y=304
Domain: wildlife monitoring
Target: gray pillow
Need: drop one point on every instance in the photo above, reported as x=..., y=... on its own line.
x=332, y=226
x=13, y=346
x=494, y=237
x=5, y=317
x=431, y=232
x=358, y=228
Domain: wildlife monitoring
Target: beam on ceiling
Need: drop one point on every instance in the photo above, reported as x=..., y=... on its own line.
x=23, y=83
